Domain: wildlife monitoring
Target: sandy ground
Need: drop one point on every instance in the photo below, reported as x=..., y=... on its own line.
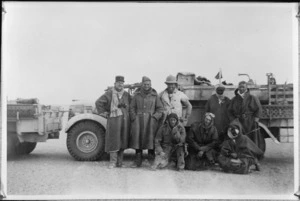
x=50, y=170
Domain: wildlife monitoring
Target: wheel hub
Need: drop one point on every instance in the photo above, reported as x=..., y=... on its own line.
x=87, y=141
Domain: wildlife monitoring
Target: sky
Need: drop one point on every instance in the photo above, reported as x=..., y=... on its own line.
x=59, y=51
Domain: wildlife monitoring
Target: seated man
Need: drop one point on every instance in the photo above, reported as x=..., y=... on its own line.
x=238, y=153
x=202, y=142
x=170, y=140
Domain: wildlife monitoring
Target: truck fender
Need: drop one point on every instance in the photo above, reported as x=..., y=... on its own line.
x=268, y=132
x=85, y=116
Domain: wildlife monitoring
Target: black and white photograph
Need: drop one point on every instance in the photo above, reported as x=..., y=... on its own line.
x=149, y=100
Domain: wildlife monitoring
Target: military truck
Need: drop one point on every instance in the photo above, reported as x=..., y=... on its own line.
x=29, y=122
x=86, y=129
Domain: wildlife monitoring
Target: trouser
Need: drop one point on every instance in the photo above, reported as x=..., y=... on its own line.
x=120, y=157
x=151, y=154
x=238, y=168
x=116, y=157
x=138, y=157
x=163, y=161
x=193, y=162
x=210, y=155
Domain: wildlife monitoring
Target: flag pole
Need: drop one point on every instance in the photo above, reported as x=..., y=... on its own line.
x=220, y=76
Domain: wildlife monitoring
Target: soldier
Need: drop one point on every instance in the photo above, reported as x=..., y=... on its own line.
x=246, y=108
x=170, y=140
x=202, y=143
x=116, y=103
x=173, y=100
x=145, y=111
x=218, y=105
x=238, y=153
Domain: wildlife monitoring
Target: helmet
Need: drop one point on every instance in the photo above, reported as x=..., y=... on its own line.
x=171, y=80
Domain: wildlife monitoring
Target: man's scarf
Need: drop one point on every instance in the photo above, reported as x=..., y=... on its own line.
x=220, y=98
x=241, y=94
x=146, y=92
x=116, y=96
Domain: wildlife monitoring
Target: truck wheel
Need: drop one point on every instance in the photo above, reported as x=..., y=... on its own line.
x=25, y=147
x=85, y=141
x=15, y=147
x=12, y=142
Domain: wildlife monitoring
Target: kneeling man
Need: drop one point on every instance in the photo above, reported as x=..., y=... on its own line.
x=169, y=142
x=239, y=153
x=202, y=142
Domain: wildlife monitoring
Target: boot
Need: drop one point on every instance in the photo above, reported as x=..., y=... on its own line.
x=151, y=155
x=154, y=166
x=113, y=157
x=257, y=164
x=138, y=159
x=257, y=167
x=120, y=158
x=180, y=169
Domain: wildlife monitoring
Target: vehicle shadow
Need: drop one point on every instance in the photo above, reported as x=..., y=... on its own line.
x=128, y=156
x=40, y=157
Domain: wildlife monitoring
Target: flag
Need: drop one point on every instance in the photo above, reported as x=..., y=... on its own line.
x=219, y=75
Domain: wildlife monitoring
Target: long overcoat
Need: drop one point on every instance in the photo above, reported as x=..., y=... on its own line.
x=220, y=110
x=246, y=110
x=118, y=128
x=145, y=112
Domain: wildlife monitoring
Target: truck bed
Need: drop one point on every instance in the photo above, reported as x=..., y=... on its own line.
x=21, y=111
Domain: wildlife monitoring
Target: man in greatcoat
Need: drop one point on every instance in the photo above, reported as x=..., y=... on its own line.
x=115, y=102
x=173, y=101
x=218, y=104
x=145, y=112
x=169, y=143
x=247, y=109
x=202, y=142
x=238, y=152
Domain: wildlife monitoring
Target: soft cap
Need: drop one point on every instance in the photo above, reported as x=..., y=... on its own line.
x=120, y=78
x=173, y=115
x=145, y=78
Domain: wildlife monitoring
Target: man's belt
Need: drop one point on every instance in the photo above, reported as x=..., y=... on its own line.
x=143, y=113
x=244, y=115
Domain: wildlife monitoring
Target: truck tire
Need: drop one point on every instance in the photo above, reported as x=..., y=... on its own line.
x=86, y=141
x=15, y=147
x=12, y=142
x=25, y=148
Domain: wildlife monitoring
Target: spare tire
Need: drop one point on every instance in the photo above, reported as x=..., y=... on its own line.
x=86, y=141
